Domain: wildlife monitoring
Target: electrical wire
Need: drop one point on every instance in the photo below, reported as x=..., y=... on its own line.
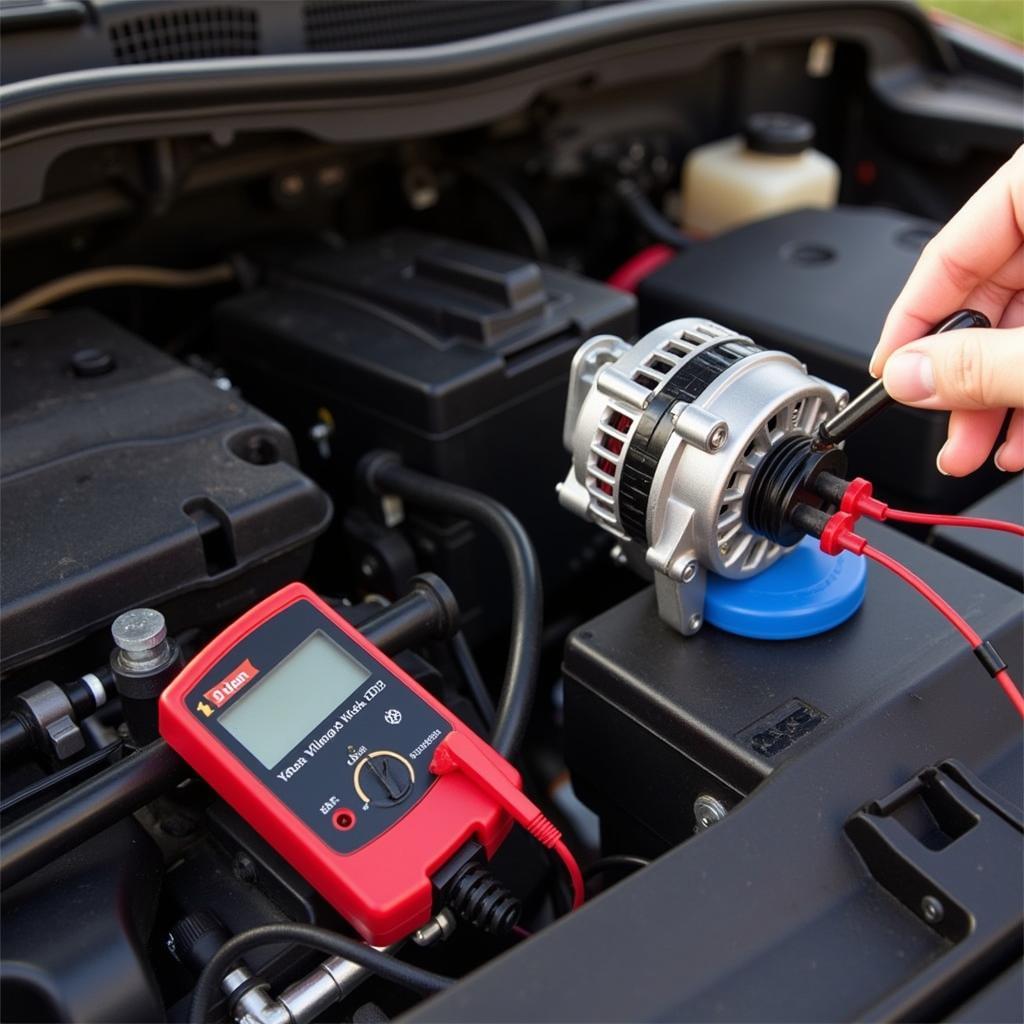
x=614, y=862
x=572, y=869
x=384, y=474
x=644, y=263
x=928, y=519
x=58, y=779
x=943, y=607
x=114, y=277
x=320, y=939
x=647, y=216
x=525, y=215
x=463, y=655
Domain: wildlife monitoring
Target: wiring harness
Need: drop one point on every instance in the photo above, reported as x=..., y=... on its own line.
x=855, y=499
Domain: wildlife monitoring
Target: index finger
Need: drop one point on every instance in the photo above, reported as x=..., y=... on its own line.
x=971, y=248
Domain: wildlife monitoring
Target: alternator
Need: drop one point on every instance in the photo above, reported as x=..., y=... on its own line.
x=667, y=437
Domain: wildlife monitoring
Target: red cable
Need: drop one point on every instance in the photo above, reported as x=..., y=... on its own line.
x=859, y=500
x=457, y=752
x=575, y=875
x=926, y=518
x=852, y=542
x=628, y=277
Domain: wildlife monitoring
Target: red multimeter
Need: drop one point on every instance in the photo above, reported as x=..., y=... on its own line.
x=323, y=744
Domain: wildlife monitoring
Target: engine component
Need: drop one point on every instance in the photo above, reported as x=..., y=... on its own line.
x=36, y=722
x=818, y=284
x=715, y=716
x=143, y=663
x=667, y=438
x=453, y=355
x=83, y=957
x=165, y=487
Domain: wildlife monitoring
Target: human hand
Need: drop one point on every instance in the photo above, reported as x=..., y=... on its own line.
x=975, y=261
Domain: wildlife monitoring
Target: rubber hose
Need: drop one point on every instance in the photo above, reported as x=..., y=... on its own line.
x=384, y=474
x=323, y=941
x=647, y=216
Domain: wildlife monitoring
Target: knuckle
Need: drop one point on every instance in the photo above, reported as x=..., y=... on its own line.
x=968, y=375
x=958, y=273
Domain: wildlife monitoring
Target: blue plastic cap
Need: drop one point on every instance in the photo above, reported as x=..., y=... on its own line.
x=803, y=594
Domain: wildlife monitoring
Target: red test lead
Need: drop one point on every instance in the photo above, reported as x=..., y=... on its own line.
x=836, y=535
x=457, y=754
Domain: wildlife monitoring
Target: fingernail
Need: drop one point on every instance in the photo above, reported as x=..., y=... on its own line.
x=938, y=459
x=909, y=377
x=872, y=365
x=995, y=459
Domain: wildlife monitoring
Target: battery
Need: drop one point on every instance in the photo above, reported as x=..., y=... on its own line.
x=702, y=721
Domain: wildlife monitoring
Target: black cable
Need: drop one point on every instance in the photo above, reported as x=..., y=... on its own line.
x=320, y=939
x=384, y=474
x=59, y=778
x=614, y=862
x=463, y=655
x=647, y=216
x=523, y=212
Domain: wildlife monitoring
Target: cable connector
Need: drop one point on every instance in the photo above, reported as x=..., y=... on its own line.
x=456, y=752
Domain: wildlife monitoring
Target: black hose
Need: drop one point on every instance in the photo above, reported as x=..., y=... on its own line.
x=88, y=809
x=647, y=216
x=15, y=738
x=384, y=473
x=323, y=941
x=463, y=655
x=60, y=778
x=94, y=805
x=523, y=212
x=627, y=862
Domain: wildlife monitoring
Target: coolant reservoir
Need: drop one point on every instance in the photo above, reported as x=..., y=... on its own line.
x=769, y=169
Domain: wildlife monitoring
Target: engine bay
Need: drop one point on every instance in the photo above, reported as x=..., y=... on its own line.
x=469, y=385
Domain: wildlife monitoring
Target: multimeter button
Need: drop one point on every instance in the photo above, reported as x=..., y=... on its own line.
x=385, y=778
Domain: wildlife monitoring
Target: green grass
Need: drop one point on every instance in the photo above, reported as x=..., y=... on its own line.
x=1003, y=16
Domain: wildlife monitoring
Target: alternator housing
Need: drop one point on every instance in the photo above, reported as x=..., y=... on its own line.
x=666, y=436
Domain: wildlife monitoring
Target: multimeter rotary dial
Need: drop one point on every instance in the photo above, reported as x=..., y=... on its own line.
x=383, y=778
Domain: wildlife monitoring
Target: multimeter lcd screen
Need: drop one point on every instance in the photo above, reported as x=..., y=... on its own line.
x=293, y=698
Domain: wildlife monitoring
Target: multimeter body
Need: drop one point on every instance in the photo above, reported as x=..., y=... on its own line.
x=323, y=744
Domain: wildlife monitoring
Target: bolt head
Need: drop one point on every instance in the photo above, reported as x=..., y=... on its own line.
x=718, y=437
x=139, y=630
x=932, y=909
x=696, y=621
x=708, y=811
x=690, y=572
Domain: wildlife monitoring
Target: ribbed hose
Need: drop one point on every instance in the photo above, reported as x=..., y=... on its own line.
x=384, y=474
x=481, y=901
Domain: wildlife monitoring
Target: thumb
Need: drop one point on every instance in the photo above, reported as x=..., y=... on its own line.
x=968, y=369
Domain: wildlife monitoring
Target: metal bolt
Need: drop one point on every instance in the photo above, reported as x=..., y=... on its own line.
x=617, y=555
x=842, y=404
x=244, y=868
x=932, y=909
x=369, y=566
x=718, y=437
x=439, y=927
x=690, y=572
x=708, y=811
x=696, y=621
x=139, y=633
